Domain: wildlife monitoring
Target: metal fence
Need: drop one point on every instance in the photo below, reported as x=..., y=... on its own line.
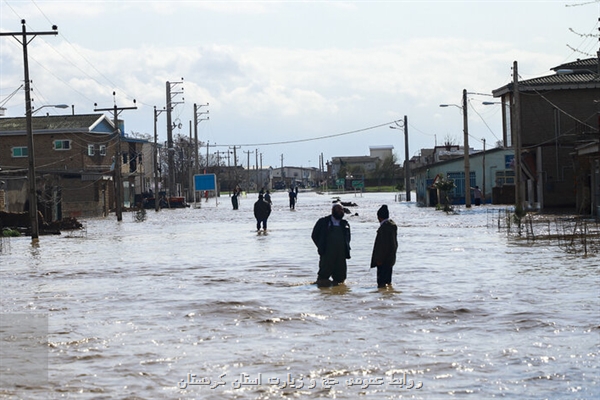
x=573, y=234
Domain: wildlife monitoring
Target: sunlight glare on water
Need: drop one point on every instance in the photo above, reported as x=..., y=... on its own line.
x=192, y=303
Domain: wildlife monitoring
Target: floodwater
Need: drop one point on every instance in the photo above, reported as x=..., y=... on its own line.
x=194, y=304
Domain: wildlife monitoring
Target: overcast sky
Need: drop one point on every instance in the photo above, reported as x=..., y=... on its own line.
x=293, y=78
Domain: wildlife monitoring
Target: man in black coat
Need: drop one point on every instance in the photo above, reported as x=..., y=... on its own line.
x=262, y=210
x=331, y=235
x=385, y=247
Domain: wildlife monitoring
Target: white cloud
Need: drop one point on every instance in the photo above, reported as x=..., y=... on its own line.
x=293, y=68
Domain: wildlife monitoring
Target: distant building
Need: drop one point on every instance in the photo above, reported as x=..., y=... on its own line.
x=381, y=152
x=360, y=165
x=286, y=177
x=490, y=170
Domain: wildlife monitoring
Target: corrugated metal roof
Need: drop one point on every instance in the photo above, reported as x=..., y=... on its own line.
x=588, y=63
x=61, y=123
x=583, y=76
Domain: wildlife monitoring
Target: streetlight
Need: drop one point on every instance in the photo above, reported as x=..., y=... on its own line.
x=404, y=125
x=466, y=146
x=51, y=105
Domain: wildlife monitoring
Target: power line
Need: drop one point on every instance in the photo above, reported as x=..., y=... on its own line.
x=10, y=96
x=309, y=139
x=485, y=123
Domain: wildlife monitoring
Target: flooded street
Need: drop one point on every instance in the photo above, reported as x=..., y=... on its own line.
x=193, y=304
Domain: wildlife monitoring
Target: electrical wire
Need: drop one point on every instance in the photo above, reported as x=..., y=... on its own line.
x=308, y=139
x=484, y=122
x=10, y=96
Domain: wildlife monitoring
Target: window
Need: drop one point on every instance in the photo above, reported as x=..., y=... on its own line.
x=62, y=145
x=91, y=151
x=102, y=149
x=19, y=152
x=459, y=182
x=506, y=177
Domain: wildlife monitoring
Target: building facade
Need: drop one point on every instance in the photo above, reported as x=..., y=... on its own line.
x=75, y=158
x=554, y=116
x=490, y=170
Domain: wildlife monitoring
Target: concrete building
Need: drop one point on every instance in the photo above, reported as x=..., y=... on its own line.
x=490, y=170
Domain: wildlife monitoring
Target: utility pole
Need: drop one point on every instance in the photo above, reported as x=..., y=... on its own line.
x=170, y=148
x=256, y=167
x=197, y=120
x=321, y=169
x=483, y=169
x=118, y=156
x=229, y=171
x=466, y=152
x=207, y=146
x=517, y=139
x=156, y=198
x=32, y=194
x=404, y=126
x=282, y=171
x=235, y=176
x=248, y=172
x=191, y=192
x=262, y=177
x=406, y=159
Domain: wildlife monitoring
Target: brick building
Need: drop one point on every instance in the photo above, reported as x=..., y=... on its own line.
x=74, y=160
x=558, y=113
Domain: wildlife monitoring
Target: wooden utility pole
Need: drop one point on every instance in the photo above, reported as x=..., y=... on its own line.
x=118, y=156
x=32, y=193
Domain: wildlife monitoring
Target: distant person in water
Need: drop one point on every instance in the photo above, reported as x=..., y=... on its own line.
x=262, y=210
x=234, y=197
x=292, y=196
x=331, y=235
x=477, y=195
x=385, y=247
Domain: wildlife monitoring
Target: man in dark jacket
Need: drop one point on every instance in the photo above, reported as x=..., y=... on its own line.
x=262, y=210
x=385, y=247
x=331, y=235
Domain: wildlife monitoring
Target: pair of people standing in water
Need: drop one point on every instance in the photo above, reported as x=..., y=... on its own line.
x=331, y=234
